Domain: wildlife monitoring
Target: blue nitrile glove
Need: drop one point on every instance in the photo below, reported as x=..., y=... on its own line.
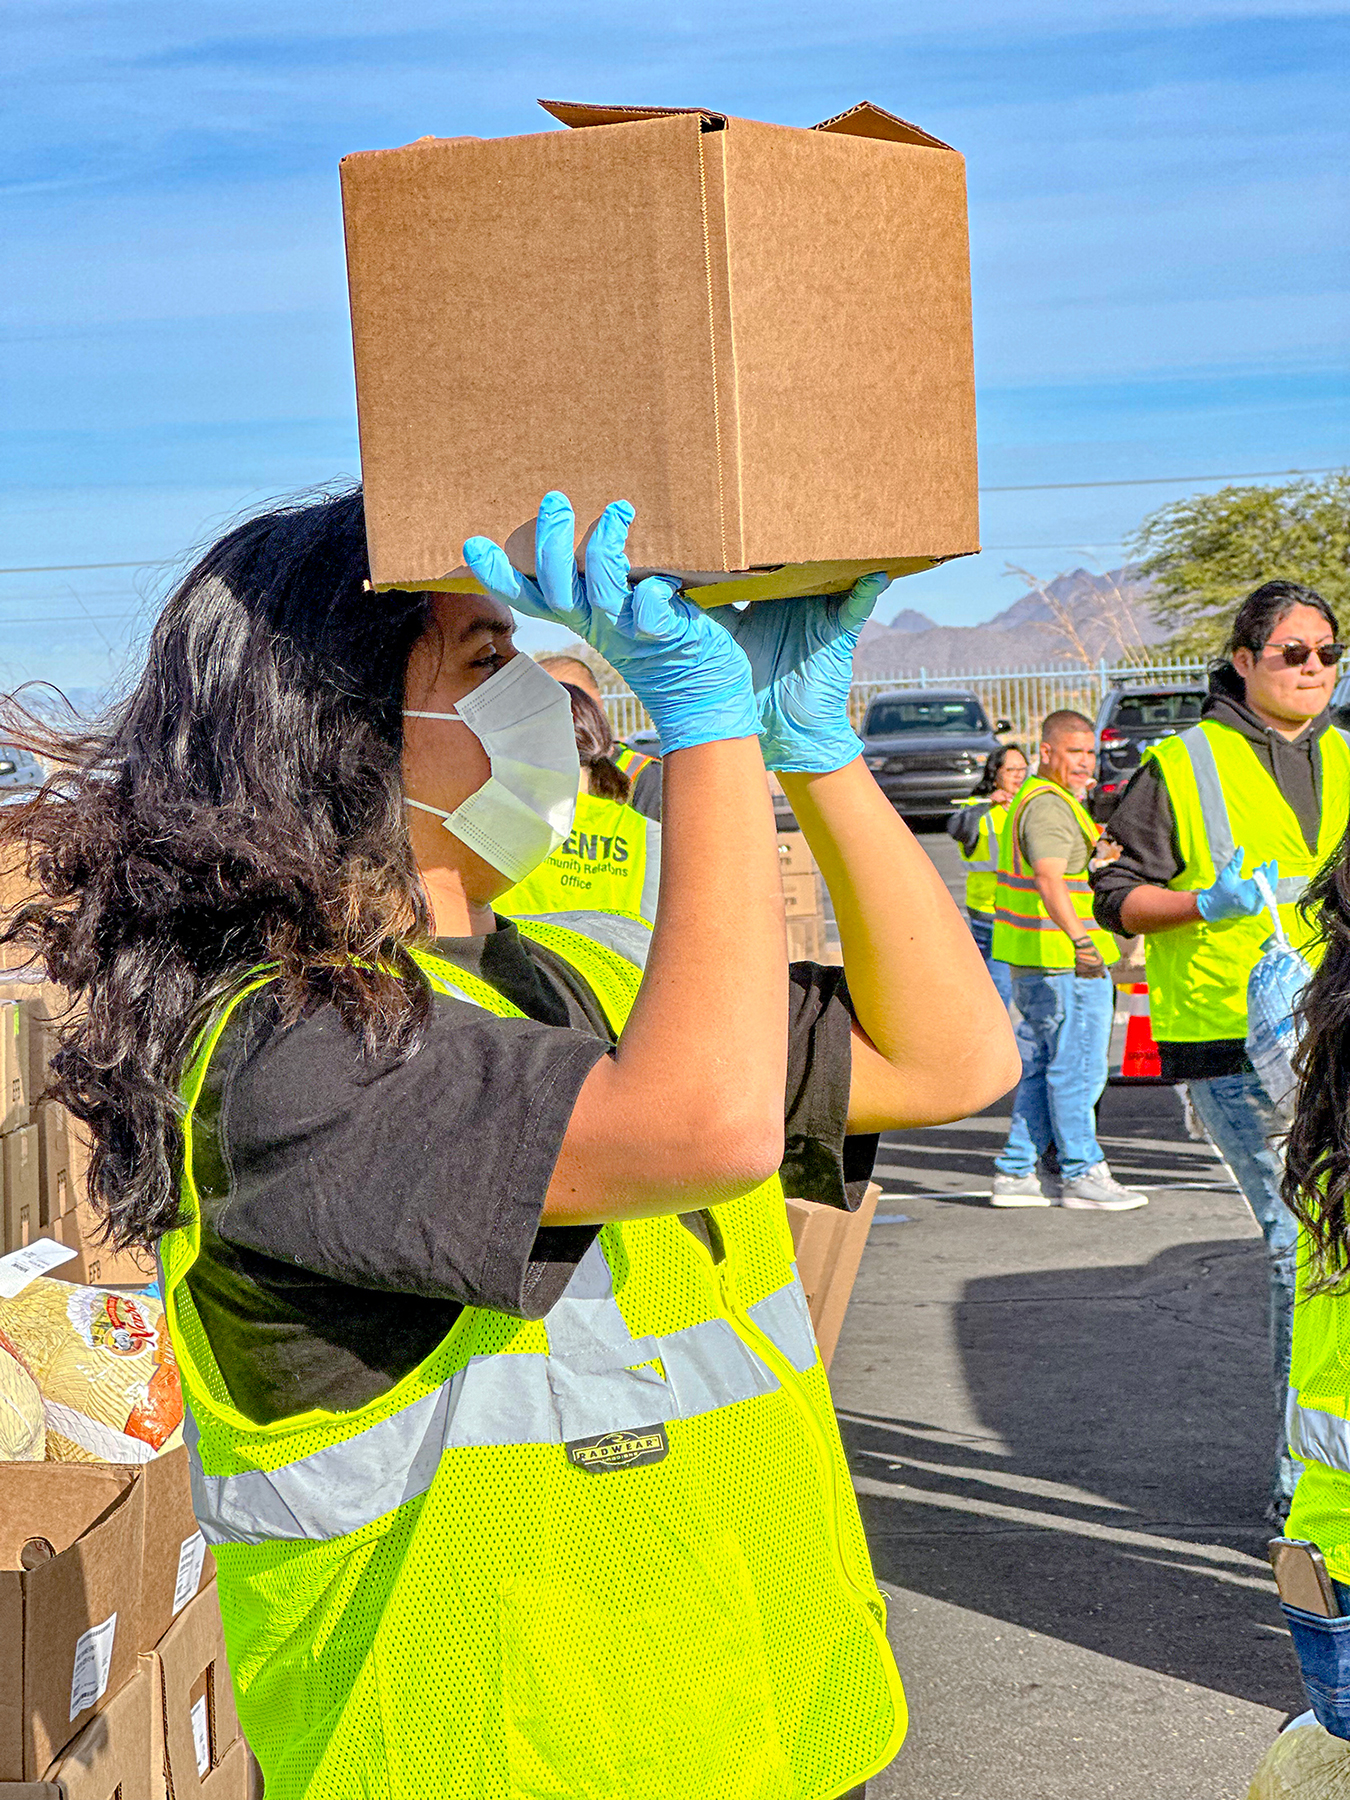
x=801, y=654
x=1233, y=896
x=690, y=675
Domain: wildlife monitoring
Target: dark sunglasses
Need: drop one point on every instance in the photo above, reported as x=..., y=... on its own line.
x=1297, y=654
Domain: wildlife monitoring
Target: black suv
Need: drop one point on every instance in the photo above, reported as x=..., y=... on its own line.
x=1128, y=721
x=927, y=747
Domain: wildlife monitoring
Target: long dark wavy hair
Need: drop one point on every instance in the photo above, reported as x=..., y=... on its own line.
x=242, y=805
x=1317, y=1151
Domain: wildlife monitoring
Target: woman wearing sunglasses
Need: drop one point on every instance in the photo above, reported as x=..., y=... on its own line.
x=1261, y=781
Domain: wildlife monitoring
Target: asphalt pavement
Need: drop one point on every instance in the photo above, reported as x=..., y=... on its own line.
x=1061, y=1428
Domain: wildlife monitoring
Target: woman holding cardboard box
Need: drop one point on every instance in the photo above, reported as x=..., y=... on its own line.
x=510, y=1435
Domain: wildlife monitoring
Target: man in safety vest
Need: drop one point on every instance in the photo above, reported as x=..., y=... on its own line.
x=643, y=771
x=1262, y=779
x=1061, y=981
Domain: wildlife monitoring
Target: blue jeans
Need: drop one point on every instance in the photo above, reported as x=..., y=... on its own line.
x=1323, y=1650
x=1242, y=1124
x=982, y=930
x=1064, y=1036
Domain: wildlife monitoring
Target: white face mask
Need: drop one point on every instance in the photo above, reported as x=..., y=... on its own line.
x=523, y=719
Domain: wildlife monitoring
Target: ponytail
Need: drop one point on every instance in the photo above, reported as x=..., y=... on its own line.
x=596, y=746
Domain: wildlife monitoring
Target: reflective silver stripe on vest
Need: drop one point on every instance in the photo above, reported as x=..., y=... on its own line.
x=975, y=863
x=1214, y=811
x=585, y=1385
x=1316, y=1436
x=785, y=1317
x=626, y=937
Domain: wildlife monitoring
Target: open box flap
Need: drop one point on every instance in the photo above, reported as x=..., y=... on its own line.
x=577, y=113
x=862, y=120
x=866, y=120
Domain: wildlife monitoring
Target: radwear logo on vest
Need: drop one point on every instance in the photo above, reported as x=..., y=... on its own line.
x=618, y=1449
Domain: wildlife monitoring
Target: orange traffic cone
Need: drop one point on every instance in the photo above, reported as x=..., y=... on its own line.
x=1140, y=1061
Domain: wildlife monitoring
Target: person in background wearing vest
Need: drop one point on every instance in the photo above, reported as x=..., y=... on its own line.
x=603, y=879
x=1061, y=980
x=1262, y=780
x=1316, y=1187
x=643, y=771
x=508, y=1427
x=977, y=826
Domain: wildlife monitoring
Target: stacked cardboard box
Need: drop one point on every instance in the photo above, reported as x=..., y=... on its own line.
x=18, y=1135
x=829, y=1245
x=44, y=1152
x=803, y=898
x=112, y=1664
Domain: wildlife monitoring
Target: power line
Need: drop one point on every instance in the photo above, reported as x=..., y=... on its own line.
x=162, y=562
x=74, y=619
x=1033, y=487
x=1060, y=487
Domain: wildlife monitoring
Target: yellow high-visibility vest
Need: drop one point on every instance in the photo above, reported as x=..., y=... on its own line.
x=1317, y=1418
x=631, y=762
x=982, y=859
x=609, y=862
x=1024, y=932
x=1222, y=796
x=614, y=1551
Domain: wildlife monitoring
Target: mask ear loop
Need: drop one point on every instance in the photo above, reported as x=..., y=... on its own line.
x=437, y=812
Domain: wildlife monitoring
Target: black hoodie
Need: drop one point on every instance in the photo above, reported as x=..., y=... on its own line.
x=1143, y=825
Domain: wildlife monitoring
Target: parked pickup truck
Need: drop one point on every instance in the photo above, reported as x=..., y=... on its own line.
x=927, y=747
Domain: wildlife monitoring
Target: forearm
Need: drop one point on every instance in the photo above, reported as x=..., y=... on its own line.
x=1146, y=909
x=1058, y=902
x=918, y=984
x=690, y=1108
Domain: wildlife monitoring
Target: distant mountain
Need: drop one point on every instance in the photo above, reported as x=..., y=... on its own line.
x=1075, y=617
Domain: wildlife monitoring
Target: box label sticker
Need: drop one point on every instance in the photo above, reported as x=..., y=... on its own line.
x=201, y=1736
x=22, y=1266
x=93, y=1660
x=190, y=1560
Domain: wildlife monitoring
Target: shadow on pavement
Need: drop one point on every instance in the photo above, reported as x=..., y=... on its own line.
x=1113, y=1494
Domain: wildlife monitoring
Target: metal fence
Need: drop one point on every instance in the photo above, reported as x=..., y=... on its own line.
x=1023, y=696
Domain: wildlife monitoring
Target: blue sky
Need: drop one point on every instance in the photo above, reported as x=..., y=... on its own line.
x=1158, y=239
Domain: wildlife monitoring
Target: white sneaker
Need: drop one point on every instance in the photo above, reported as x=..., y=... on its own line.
x=1097, y=1190
x=1018, y=1190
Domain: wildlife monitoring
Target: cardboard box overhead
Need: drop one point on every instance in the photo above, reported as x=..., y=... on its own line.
x=758, y=334
x=71, y=1544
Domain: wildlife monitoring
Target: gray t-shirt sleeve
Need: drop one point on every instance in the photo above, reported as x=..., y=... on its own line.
x=1047, y=827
